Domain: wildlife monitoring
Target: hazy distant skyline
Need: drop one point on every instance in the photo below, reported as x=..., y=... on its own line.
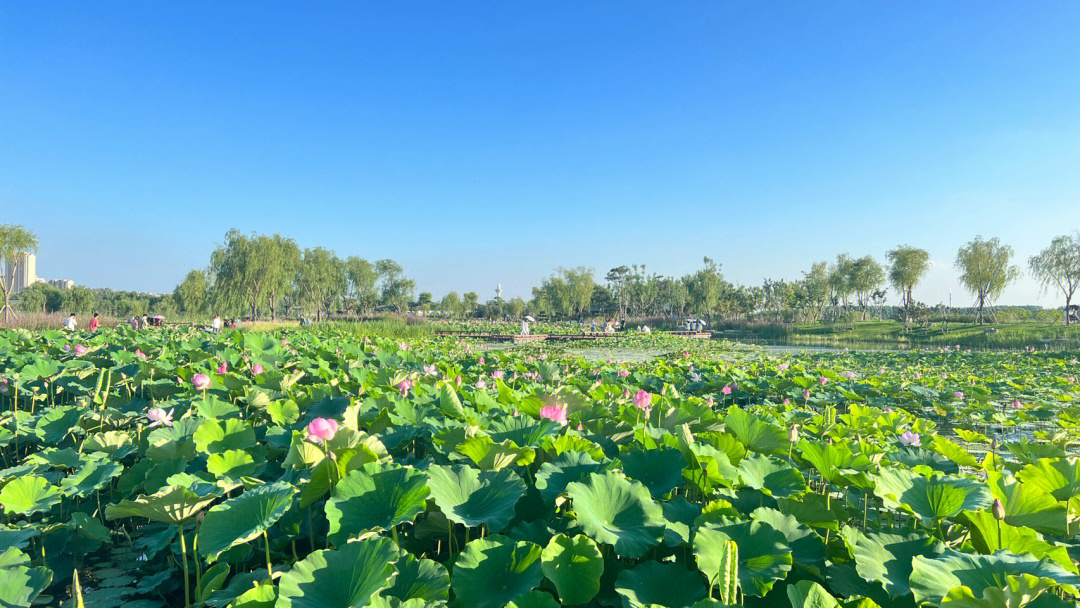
x=492, y=143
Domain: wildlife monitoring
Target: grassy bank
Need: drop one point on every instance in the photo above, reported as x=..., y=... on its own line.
x=891, y=333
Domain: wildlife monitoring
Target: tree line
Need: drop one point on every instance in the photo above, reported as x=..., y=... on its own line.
x=264, y=276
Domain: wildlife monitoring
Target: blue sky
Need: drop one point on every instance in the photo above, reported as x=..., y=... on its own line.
x=486, y=143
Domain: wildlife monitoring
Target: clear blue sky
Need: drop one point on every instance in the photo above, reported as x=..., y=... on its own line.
x=484, y=143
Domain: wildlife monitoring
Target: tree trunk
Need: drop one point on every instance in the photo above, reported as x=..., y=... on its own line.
x=1068, y=302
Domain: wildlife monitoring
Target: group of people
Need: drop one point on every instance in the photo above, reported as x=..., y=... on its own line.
x=71, y=323
x=217, y=324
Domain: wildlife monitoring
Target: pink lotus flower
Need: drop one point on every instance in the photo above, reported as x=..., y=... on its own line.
x=404, y=386
x=710, y=401
x=823, y=381
x=554, y=412
x=1072, y=379
x=958, y=394
x=480, y=384
x=80, y=349
x=284, y=342
x=257, y=369
x=67, y=348
x=497, y=374
x=888, y=410
x=481, y=361
x=580, y=427
x=429, y=370
x=642, y=400
x=626, y=393
x=734, y=386
x=159, y=417
x=782, y=367
x=806, y=394
x=140, y=354
x=912, y=439
x=623, y=373
x=224, y=367
x=542, y=356
x=918, y=375
x=787, y=401
x=321, y=430
x=457, y=380
x=1016, y=404
x=726, y=390
x=200, y=381
x=3, y=385
x=850, y=375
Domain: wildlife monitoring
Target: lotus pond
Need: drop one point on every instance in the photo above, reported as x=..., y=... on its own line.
x=317, y=469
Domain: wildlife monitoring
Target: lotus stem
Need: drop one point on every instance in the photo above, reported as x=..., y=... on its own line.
x=269, y=568
x=187, y=582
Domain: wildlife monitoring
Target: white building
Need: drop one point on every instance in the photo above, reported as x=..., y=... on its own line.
x=25, y=272
x=62, y=284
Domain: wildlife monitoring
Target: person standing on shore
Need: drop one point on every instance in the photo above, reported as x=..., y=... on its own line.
x=95, y=322
x=70, y=323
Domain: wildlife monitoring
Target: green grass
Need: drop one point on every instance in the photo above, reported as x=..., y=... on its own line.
x=395, y=328
x=967, y=335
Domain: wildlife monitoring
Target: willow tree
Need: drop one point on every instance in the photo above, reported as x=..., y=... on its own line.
x=321, y=279
x=15, y=242
x=907, y=265
x=985, y=271
x=1059, y=265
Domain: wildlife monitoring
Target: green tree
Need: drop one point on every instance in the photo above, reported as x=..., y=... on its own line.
x=816, y=289
x=38, y=298
x=703, y=289
x=362, y=279
x=1059, y=265
x=192, y=295
x=907, y=265
x=79, y=299
x=396, y=290
x=985, y=271
x=244, y=267
x=15, y=241
x=451, y=304
x=469, y=303
x=284, y=260
x=321, y=279
x=866, y=276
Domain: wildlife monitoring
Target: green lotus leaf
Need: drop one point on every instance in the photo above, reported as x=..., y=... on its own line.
x=1022, y=590
x=66, y=458
x=242, y=519
x=930, y=498
x=771, y=475
x=18, y=538
x=533, y=599
x=91, y=477
x=652, y=584
x=58, y=423
x=471, y=497
x=490, y=572
x=214, y=436
x=1059, y=477
x=756, y=434
x=807, y=548
x=375, y=497
x=615, y=511
x=263, y=595
x=419, y=579
x=832, y=459
x=764, y=555
x=575, y=566
x=491, y=456
x=989, y=535
x=933, y=577
x=886, y=558
x=349, y=577
x=29, y=494
x=171, y=504
x=20, y=584
x=233, y=464
x=1028, y=505
x=808, y=594
x=567, y=467
x=660, y=470
x=949, y=449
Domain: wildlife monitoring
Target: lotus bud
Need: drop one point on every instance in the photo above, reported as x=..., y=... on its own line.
x=793, y=434
x=994, y=446
x=998, y=510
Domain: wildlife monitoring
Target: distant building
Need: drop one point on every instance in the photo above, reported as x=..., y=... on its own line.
x=25, y=273
x=62, y=283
